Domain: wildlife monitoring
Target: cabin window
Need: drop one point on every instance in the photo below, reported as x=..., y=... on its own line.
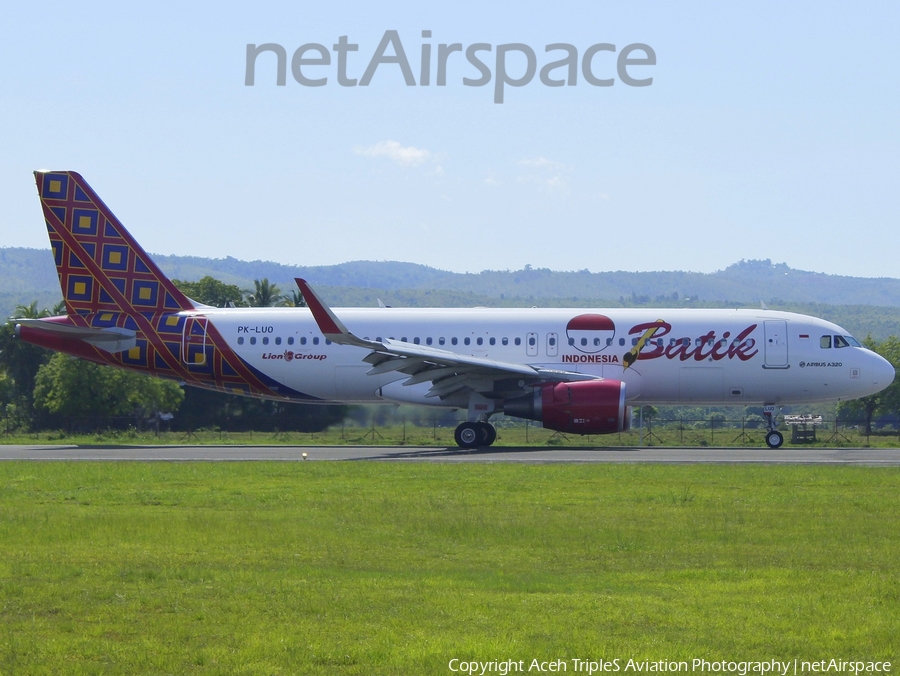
x=634, y=342
x=290, y=340
x=416, y=340
x=278, y=340
x=493, y=341
x=571, y=341
x=840, y=341
x=265, y=340
x=532, y=340
x=240, y=340
x=303, y=340
x=454, y=341
x=327, y=342
x=428, y=341
x=467, y=340
x=608, y=342
x=621, y=342
x=441, y=341
x=518, y=341
x=583, y=342
x=825, y=342
x=253, y=340
x=505, y=341
x=480, y=340
x=315, y=340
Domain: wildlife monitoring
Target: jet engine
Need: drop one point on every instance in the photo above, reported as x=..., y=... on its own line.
x=584, y=407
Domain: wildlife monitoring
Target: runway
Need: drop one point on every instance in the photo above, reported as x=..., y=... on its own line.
x=521, y=454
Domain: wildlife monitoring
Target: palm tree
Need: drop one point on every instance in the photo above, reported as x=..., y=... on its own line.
x=296, y=299
x=31, y=311
x=266, y=294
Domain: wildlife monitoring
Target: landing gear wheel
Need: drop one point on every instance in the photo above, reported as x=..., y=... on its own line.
x=488, y=434
x=475, y=434
x=774, y=439
x=468, y=435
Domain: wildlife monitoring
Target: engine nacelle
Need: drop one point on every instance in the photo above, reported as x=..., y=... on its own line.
x=584, y=407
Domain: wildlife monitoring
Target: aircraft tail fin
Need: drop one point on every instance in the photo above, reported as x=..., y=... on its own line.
x=100, y=265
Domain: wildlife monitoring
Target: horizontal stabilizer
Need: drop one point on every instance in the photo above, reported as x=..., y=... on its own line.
x=112, y=339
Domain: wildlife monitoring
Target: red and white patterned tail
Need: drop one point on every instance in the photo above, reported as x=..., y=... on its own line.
x=101, y=267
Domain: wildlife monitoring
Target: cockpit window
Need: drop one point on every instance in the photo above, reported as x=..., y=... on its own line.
x=853, y=341
x=825, y=342
x=840, y=341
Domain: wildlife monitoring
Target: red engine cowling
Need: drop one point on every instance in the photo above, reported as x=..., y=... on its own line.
x=584, y=407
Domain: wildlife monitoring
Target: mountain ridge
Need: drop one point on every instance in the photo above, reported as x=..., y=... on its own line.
x=27, y=275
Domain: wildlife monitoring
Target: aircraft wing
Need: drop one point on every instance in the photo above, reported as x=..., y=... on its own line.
x=448, y=372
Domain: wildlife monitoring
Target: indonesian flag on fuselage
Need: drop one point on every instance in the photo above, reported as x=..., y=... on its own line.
x=590, y=332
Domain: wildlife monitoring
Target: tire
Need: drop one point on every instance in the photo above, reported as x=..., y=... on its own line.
x=488, y=434
x=774, y=439
x=468, y=435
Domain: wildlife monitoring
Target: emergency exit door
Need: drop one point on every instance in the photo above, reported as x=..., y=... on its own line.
x=776, y=348
x=193, y=341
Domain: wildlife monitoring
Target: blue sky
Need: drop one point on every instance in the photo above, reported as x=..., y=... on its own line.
x=770, y=131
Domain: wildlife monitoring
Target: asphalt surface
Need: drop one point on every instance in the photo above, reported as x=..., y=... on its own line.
x=538, y=454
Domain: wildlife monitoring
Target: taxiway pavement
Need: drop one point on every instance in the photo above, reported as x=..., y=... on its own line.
x=528, y=454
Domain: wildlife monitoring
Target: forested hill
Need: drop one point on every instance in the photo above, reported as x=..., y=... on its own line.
x=744, y=282
x=28, y=274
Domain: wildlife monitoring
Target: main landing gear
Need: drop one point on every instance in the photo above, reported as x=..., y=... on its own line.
x=774, y=438
x=475, y=434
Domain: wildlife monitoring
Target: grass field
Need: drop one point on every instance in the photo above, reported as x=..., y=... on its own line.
x=377, y=568
x=512, y=435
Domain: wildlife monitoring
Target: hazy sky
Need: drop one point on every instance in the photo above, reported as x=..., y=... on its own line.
x=770, y=131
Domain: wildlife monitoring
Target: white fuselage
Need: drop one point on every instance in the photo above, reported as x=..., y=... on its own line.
x=730, y=357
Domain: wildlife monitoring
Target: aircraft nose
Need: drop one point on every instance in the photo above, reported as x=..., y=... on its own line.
x=881, y=370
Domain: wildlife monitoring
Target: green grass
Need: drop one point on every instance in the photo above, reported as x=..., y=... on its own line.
x=510, y=435
x=380, y=568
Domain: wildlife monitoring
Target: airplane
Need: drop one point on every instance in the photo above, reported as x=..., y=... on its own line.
x=573, y=370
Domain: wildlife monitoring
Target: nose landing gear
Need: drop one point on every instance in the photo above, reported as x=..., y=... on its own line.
x=774, y=438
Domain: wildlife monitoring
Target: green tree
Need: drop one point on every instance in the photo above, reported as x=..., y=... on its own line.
x=886, y=402
x=21, y=361
x=31, y=311
x=266, y=294
x=68, y=386
x=233, y=413
x=211, y=291
x=296, y=299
